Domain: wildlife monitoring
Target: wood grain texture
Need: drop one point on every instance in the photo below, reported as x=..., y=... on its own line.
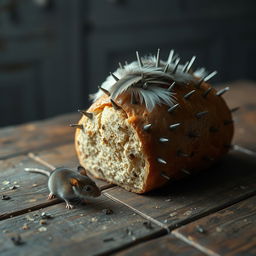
x=17, y=140
x=231, y=231
x=83, y=231
x=242, y=94
x=165, y=246
x=183, y=201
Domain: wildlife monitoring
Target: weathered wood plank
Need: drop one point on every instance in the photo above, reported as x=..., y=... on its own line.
x=64, y=155
x=16, y=140
x=87, y=230
x=31, y=192
x=183, y=201
x=242, y=94
x=231, y=231
x=165, y=246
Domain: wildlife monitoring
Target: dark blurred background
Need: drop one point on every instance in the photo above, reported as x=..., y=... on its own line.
x=53, y=53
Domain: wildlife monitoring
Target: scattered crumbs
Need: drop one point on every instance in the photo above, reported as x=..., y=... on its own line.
x=173, y=214
x=45, y=215
x=219, y=229
x=94, y=219
x=17, y=240
x=42, y=229
x=6, y=182
x=5, y=197
x=25, y=226
x=34, y=185
x=148, y=224
x=187, y=213
x=108, y=239
x=14, y=187
x=104, y=227
x=200, y=229
x=107, y=211
x=29, y=218
x=32, y=200
x=168, y=200
x=43, y=222
x=129, y=232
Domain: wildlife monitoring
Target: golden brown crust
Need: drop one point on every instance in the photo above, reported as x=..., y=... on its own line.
x=184, y=150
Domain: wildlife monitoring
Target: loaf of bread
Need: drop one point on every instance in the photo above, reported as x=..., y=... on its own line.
x=152, y=122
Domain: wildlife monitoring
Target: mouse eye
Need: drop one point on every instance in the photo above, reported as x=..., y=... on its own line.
x=87, y=188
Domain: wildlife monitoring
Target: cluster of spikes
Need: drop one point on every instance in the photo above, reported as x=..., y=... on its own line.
x=150, y=80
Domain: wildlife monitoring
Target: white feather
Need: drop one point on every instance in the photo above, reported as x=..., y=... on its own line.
x=132, y=77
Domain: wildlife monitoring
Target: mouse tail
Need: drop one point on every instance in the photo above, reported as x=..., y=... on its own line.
x=37, y=170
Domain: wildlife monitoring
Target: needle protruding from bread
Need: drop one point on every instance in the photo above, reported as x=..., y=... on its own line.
x=85, y=113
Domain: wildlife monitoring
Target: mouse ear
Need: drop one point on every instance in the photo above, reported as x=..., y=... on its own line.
x=74, y=182
x=82, y=170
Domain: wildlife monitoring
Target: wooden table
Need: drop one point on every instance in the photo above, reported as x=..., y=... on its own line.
x=213, y=213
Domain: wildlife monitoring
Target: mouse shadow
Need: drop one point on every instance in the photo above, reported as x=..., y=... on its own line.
x=236, y=170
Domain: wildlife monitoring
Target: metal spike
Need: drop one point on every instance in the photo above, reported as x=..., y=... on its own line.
x=166, y=68
x=158, y=58
x=87, y=114
x=232, y=110
x=104, y=90
x=163, y=139
x=161, y=161
x=213, y=129
x=163, y=174
x=193, y=134
x=139, y=59
x=185, y=67
x=220, y=92
x=181, y=153
x=201, y=114
x=174, y=126
x=171, y=109
x=227, y=122
x=186, y=171
x=169, y=60
x=114, y=76
x=208, y=77
x=207, y=92
x=147, y=127
x=176, y=66
x=190, y=63
x=133, y=99
x=115, y=106
x=76, y=126
x=186, y=96
x=120, y=65
x=171, y=86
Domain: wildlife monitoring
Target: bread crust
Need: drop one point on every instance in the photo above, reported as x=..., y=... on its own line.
x=192, y=147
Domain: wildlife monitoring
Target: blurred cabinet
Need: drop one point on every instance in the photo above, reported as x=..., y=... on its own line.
x=53, y=53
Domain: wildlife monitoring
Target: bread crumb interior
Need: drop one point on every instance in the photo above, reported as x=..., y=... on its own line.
x=110, y=148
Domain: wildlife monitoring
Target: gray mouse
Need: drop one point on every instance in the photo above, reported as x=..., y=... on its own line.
x=71, y=186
